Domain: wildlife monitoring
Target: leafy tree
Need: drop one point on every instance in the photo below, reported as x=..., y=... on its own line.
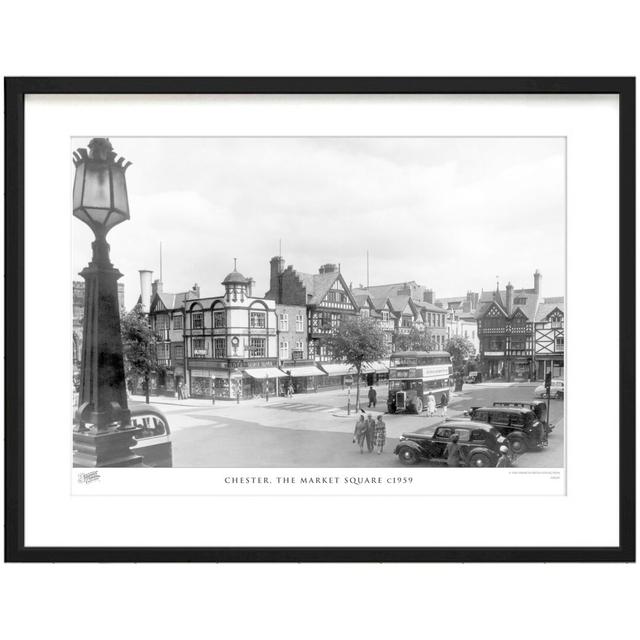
x=139, y=348
x=460, y=349
x=416, y=340
x=357, y=341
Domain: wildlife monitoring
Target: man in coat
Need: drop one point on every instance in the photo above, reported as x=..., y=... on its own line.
x=371, y=430
x=372, y=397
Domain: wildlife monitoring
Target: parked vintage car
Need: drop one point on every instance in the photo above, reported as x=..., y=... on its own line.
x=479, y=441
x=473, y=377
x=154, y=442
x=537, y=406
x=556, y=391
x=521, y=427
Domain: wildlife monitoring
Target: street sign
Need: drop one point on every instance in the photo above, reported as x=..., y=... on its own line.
x=348, y=381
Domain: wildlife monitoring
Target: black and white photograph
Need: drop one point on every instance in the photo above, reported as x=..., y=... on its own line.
x=318, y=302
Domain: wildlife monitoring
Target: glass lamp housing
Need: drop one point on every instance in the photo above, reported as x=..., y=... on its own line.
x=100, y=189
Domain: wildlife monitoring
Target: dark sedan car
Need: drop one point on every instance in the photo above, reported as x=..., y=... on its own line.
x=519, y=426
x=480, y=444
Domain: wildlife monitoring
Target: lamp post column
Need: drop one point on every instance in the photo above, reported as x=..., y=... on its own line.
x=103, y=435
x=102, y=401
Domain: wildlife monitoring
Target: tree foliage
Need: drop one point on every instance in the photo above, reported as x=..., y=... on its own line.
x=416, y=340
x=138, y=345
x=357, y=341
x=460, y=349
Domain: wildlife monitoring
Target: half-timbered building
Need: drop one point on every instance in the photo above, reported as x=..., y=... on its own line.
x=508, y=335
x=549, y=338
x=326, y=300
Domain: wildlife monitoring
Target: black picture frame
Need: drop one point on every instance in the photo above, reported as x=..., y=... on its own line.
x=15, y=91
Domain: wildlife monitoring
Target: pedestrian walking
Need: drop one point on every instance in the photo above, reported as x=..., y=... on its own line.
x=380, y=434
x=431, y=405
x=444, y=401
x=371, y=428
x=453, y=452
x=503, y=460
x=360, y=432
x=373, y=395
x=180, y=391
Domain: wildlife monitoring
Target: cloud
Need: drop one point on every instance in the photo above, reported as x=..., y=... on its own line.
x=449, y=213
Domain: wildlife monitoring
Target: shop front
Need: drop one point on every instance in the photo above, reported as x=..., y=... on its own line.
x=553, y=364
x=336, y=373
x=265, y=380
x=375, y=372
x=203, y=382
x=492, y=364
x=303, y=378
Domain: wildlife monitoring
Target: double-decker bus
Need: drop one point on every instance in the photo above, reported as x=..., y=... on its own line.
x=413, y=374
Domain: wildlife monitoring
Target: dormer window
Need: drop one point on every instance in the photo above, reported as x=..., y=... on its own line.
x=520, y=301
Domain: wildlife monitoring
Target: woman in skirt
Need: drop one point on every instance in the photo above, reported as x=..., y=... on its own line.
x=380, y=434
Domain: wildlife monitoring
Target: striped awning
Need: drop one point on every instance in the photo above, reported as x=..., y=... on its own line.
x=378, y=366
x=303, y=372
x=338, y=369
x=260, y=373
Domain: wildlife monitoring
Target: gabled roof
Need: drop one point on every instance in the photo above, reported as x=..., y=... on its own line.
x=427, y=306
x=546, y=309
x=364, y=300
x=317, y=285
x=399, y=303
x=484, y=309
x=170, y=301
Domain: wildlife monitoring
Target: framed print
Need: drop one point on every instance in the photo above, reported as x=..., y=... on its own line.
x=320, y=319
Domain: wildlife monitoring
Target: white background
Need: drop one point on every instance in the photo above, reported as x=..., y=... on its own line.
x=53, y=517
x=489, y=38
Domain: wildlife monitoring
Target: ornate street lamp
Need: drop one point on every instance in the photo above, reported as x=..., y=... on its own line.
x=103, y=434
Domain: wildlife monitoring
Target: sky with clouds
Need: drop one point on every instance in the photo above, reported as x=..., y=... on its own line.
x=450, y=213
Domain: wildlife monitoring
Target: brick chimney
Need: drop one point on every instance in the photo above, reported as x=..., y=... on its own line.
x=537, y=277
x=428, y=296
x=509, y=300
x=328, y=268
x=277, y=267
x=156, y=287
x=250, y=283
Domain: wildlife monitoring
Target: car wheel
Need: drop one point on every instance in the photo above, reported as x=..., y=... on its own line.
x=560, y=395
x=408, y=456
x=417, y=407
x=518, y=444
x=480, y=459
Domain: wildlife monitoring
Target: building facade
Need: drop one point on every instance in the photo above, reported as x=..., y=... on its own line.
x=407, y=305
x=549, y=338
x=225, y=345
x=325, y=300
x=510, y=329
